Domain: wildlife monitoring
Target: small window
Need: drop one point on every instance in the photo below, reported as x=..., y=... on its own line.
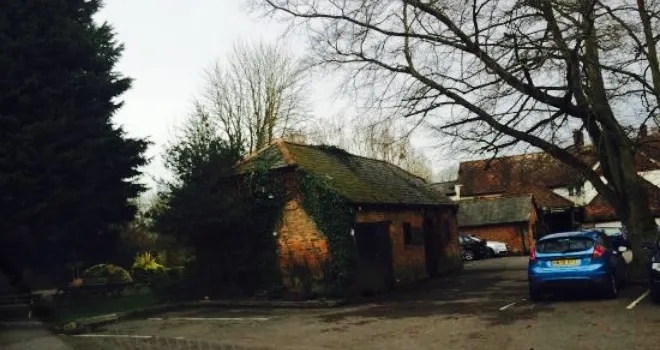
x=407, y=233
x=575, y=190
x=578, y=190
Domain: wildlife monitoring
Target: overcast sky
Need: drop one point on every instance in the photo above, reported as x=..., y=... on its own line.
x=168, y=44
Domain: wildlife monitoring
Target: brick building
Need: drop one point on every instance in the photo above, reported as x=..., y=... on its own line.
x=512, y=220
x=403, y=230
x=565, y=200
x=598, y=213
x=537, y=174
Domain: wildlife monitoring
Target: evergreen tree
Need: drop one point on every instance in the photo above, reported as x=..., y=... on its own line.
x=66, y=172
x=216, y=213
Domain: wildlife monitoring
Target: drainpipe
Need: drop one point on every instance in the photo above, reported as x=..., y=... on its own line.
x=457, y=189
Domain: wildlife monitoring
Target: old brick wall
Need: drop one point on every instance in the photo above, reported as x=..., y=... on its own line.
x=447, y=227
x=302, y=248
x=301, y=245
x=508, y=233
x=409, y=261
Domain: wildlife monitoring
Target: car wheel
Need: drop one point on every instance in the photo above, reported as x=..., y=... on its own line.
x=535, y=294
x=490, y=253
x=611, y=290
x=468, y=255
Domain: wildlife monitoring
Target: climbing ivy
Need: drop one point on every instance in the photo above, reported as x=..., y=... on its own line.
x=334, y=216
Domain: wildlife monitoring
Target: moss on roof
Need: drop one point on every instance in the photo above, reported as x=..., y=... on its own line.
x=483, y=212
x=359, y=179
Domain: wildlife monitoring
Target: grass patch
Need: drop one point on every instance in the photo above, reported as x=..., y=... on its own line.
x=105, y=306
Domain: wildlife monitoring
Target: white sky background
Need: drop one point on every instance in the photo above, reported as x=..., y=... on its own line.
x=168, y=44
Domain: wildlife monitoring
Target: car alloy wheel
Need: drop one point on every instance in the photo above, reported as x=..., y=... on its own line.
x=468, y=255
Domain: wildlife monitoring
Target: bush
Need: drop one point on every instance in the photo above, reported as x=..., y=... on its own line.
x=146, y=262
x=106, y=274
x=145, y=267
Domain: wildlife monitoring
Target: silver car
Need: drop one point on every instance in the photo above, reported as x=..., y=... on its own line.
x=495, y=248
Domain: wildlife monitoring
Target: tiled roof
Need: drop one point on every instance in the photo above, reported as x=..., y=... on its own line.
x=598, y=210
x=359, y=179
x=476, y=212
x=520, y=174
x=545, y=198
x=502, y=175
x=650, y=147
x=447, y=187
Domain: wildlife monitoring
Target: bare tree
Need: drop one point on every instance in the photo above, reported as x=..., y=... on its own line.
x=335, y=130
x=372, y=138
x=257, y=96
x=392, y=143
x=500, y=73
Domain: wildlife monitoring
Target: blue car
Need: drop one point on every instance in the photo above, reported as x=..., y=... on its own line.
x=586, y=259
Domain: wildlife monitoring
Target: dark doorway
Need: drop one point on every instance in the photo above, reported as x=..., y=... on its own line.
x=431, y=248
x=558, y=220
x=374, y=251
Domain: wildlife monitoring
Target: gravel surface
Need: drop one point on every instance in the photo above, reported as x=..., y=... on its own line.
x=484, y=307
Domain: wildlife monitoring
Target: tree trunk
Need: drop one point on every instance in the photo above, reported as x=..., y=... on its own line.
x=630, y=202
x=640, y=226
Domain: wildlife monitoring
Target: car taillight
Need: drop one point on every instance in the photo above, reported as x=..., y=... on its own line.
x=532, y=254
x=599, y=251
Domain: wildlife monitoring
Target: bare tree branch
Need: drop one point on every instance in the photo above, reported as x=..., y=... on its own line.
x=259, y=95
x=500, y=73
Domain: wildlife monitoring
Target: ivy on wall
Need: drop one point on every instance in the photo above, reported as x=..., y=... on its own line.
x=334, y=216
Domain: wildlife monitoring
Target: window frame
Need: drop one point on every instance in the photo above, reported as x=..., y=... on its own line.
x=406, y=229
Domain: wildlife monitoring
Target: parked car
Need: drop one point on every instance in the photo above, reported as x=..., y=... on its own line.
x=495, y=248
x=471, y=248
x=584, y=259
x=654, y=268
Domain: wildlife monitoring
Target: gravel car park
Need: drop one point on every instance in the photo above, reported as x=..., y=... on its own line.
x=484, y=307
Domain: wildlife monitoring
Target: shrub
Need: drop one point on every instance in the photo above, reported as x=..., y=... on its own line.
x=146, y=267
x=146, y=262
x=106, y=274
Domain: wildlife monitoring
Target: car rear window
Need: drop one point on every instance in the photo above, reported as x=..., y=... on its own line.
x=565, y=245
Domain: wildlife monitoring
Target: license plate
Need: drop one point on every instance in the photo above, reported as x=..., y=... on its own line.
x=566, y=262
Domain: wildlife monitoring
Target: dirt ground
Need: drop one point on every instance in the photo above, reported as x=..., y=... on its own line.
x=484, y=307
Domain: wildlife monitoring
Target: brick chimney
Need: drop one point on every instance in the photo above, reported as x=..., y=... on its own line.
x=643, y=130
x=578, y=139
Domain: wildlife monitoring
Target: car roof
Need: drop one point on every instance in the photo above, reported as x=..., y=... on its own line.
x=590, y=234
